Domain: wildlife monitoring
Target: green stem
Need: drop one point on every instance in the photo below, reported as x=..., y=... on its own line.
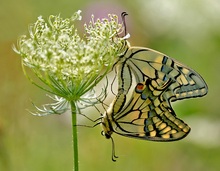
x=75, y=137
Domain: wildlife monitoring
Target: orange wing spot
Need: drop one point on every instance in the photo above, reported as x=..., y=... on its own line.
x=139, y=86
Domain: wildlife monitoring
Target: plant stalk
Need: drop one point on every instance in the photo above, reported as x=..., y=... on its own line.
x=74, y=136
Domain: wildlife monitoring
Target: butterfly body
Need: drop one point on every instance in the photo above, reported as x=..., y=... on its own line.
x=108, y=121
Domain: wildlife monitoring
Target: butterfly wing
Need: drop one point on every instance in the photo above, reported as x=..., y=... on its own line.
x=148, y=116
x=146, y=63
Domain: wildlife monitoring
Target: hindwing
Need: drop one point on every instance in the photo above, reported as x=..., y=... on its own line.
x=147, y=115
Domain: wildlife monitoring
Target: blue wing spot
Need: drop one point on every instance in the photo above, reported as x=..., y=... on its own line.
x=151, y=113
x=164, y=61
x=146, y=129
x=165, y=78
x=143, y=96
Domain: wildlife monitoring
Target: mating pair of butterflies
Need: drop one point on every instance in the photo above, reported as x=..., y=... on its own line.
x=154, y=80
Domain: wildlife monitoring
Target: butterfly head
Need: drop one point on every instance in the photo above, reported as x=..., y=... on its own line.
x=106, y=134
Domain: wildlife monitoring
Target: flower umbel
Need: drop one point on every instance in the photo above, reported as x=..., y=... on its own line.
x=68, y=64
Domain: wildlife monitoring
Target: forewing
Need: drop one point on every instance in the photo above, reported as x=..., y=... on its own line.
x=146, y=63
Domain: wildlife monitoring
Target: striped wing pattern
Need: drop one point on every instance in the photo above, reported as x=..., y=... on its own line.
x=147, y=115
x=146, y=63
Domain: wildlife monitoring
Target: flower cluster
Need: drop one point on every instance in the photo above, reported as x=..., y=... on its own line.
x=68, y=64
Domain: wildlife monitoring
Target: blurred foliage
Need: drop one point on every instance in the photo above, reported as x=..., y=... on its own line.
x=186, y=30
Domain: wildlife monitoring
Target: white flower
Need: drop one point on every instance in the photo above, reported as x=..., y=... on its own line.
x=68, y=64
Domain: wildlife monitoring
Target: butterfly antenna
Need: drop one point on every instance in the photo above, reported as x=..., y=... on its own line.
x=123, y=14
x=114, y=157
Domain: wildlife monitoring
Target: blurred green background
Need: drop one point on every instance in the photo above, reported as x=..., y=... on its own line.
x=186, y=30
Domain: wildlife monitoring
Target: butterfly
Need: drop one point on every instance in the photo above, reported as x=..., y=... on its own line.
x=154, y=80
